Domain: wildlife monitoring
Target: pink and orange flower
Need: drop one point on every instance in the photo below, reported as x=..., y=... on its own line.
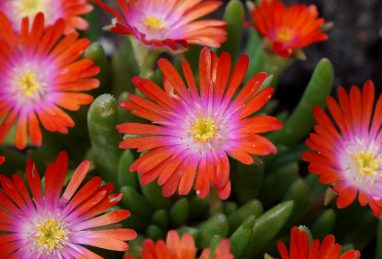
x=347, y=147
x=68, y=10
x=176, y=247
x=168, y=23
x=41, y=73
x=301, y=248
x=288, y=28
x=194, y=131
x=44, y=222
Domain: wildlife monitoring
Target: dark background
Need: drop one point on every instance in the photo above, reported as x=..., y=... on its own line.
x=354, y=46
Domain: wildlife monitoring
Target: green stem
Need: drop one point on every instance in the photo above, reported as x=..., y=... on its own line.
x=275, y=65
x=146, y=58
x=147, y=68
x=216, y=204
x=378, y=252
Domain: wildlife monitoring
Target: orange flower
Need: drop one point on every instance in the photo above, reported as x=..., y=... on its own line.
x=68, y=10
x=43, y=220
x=347, y=147
x=41, y=74
x=176, y=247
x=196, y=128
x=288, y=28
x=171, y=23
x=300, y=248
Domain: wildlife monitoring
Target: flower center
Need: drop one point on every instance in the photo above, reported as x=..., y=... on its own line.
x=367, y=163
x=50, y=235
x=29, y=7
x=28, y=83
x=204, y=129
x=154, y=24
x=284, y=35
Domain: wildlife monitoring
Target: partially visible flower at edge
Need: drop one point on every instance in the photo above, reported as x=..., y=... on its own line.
x=41, y=73
x=288, y=28
x=163, y=23
x=193, y=133
x=176, y=247
x=2, y=160
x=52, y=224
x=346, y=147
x=68, y=10
x=301, y=248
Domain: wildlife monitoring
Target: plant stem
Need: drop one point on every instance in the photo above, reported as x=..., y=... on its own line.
x=215, y=203
x=378, y=252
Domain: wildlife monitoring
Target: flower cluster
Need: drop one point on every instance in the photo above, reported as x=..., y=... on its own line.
x=176, y=247
x=41, y=73
x=347, y=146
x=301, y=247
x=163, y=23
x=196, y=128
x=202, y=122
x=43, y=221
x=68, y=10
x=288, y=28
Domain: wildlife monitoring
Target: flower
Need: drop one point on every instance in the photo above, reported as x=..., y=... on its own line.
x=222, y=251
x=347, y=147
x=288, y=28
x=2, y=160
x=163, y=23
x=69, y=10
x=192, y=133
x=41, y=74
x=301, y=248
x=54, y=225
x=183, y=247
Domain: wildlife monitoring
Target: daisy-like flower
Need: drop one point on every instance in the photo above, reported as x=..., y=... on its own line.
x=69, y=10
x=288, y=28
x=195, y=128
x=41, y=73
x=168, y=23
x=301, y=248
x=176, y=247
x=50, y=223
x=347, y=147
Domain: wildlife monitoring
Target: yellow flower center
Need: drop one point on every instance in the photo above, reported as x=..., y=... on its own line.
x=29, y=7
x=28, y=83
x=50, y=235
x=154, y=23
x=284, y=35
x=204, y=129
x=366, y=162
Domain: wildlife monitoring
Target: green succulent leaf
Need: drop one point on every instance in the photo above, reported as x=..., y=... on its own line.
x=104, y=138
x=267, y=226
x=301, y=122
x=234, y=16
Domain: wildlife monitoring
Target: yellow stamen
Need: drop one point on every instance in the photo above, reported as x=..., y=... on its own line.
x=29, y=7
x=50, y=235
x=284, y=35
x=154, y=23
x=366, y=162
x=28, y=83
x=204, y=129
